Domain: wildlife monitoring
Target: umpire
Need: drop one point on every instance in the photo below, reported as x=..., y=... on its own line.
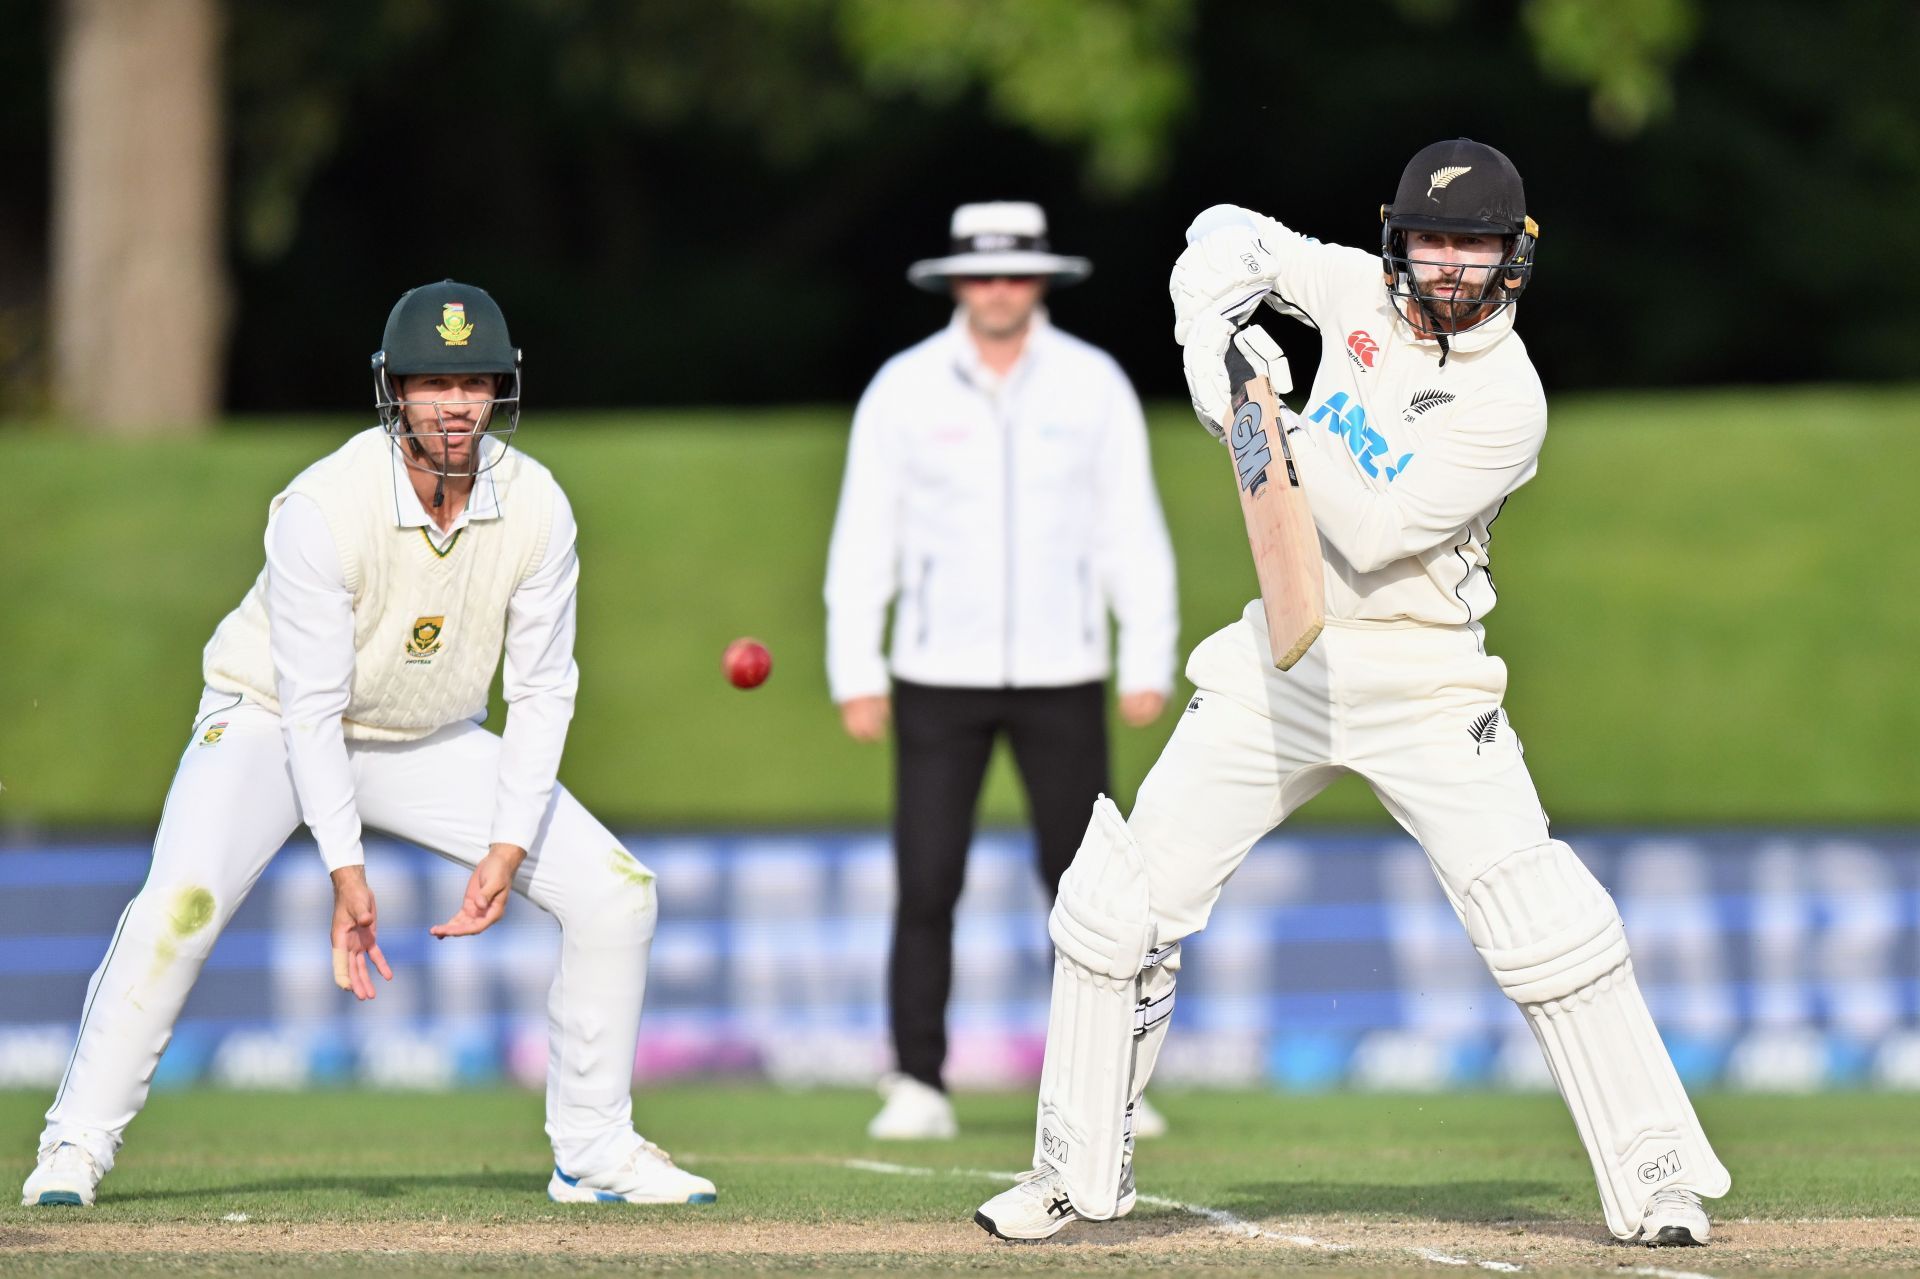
x=998, y=495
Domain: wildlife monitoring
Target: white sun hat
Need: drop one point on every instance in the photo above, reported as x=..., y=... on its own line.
x=1004, y=237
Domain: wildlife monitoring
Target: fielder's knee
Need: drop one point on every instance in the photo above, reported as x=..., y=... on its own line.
x=621, y=905
x=184, y=918
x=1544, y=925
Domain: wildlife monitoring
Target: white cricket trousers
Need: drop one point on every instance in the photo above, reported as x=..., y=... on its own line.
x=1402, y=706
x=1415, y=710
x=232, y=806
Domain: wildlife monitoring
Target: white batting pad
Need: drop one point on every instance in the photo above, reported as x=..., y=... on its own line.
x=1103, y=938
x=1553, y=940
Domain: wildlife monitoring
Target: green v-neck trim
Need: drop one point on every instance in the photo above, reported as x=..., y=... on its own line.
x=437, y=552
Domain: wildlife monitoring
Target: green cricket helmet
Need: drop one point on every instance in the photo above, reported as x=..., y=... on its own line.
x=446, y=328
x=1459, y=187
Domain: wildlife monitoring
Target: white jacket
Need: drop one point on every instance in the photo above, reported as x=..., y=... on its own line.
x=1005, y=517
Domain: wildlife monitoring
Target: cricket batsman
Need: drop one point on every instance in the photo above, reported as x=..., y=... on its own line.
x=349, y=687
x=1426, y=415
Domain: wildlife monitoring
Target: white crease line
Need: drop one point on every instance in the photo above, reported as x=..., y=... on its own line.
x=1828, y=1221
x=1441, y=1258
x=1223, y=1220
x=1227, y=1223
x=898, y=1170
x=1218, y=1218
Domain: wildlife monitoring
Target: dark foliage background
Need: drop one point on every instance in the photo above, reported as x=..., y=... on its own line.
x=686, y=202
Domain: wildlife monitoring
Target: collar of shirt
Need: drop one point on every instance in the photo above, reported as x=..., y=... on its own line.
x=974, y=370
x=482, y=504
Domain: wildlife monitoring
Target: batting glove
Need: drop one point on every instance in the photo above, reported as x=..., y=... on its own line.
x=1223, y=274
x=1204, y=358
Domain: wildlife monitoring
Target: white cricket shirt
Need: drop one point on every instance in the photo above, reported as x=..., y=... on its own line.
x=1002, y=517
x=1405, y=460
x=318, y=642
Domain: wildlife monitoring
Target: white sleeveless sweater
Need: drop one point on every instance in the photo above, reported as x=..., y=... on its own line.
x=427, y=625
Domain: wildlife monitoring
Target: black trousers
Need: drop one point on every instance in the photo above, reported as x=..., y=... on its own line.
x=943, y=738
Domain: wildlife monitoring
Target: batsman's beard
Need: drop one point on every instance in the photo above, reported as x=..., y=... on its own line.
x=1453, y=303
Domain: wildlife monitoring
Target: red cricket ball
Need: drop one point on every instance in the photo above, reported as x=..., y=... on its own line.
x=747, y=663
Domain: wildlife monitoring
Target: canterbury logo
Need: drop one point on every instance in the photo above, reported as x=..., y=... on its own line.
x=1439, y=179
x=1424, y=400
x=1362, y=348
x=1484, y=728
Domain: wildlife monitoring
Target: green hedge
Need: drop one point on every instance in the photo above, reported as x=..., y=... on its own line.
x=1708, y=605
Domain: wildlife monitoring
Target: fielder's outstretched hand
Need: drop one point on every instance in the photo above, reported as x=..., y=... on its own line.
x=487, y=890
x=354, y=917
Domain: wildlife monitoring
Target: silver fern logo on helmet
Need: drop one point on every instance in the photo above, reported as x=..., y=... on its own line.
x=1439, y=178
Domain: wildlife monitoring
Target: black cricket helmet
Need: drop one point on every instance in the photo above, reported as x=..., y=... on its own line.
x=1460, y=187
x=447, y=328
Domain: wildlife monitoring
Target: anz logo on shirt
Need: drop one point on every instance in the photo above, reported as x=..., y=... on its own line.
x=1366, y=444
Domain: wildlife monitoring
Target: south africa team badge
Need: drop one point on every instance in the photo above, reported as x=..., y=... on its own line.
x=424, y=641
x=453, y=327
x=213, y=734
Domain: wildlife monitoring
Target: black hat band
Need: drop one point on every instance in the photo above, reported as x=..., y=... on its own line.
x=999, y=242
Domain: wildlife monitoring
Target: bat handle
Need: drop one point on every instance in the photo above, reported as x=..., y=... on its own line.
x=1239, y=369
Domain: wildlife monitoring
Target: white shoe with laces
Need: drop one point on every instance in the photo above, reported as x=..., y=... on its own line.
x=1674, y=1219
x=1037, y=1206
x=913, y=1112
x=648, y=1177
x=66, y=1175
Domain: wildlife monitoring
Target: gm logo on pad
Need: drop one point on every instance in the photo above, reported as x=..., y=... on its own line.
x=1657, y=1170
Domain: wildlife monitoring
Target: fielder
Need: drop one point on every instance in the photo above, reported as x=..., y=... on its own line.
x=1426, y=414
x=349, y=687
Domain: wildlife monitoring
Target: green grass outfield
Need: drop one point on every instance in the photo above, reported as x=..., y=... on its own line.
x=1708, y=605
x=455, y=1183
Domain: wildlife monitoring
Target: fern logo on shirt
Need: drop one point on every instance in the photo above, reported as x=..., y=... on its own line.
x=424, y=641
x=1424, y=400
x=1484, y=729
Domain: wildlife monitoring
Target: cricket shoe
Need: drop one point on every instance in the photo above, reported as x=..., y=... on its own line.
x=66, y=1174
x=1038, y=1206
x=648, y=1177
x=913, y=1112
x=1674, y=1219
x=1148, y=1123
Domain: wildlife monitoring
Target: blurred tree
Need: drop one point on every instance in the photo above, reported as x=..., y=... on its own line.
x=137, y=260
x=1108, y=75
x=1625, y=50
x=794, y=76
x=24, y=99
x=638, y=177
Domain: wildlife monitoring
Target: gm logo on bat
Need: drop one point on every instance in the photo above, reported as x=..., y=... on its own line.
x=1250, y=452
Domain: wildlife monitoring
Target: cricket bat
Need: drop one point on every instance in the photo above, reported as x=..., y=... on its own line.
x=1286, y=548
